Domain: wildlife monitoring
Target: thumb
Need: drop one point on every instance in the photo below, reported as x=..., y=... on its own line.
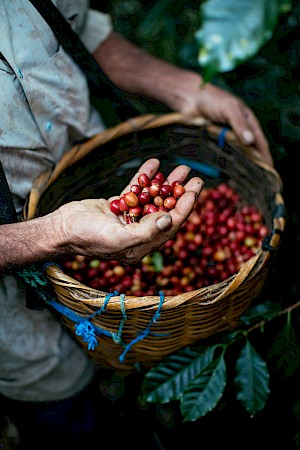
x=164, y=222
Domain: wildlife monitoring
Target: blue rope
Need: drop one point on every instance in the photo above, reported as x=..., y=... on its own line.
x=146, y=332
x=222, y=137
x=83, y=326
x=117, y=337
x=33, y=276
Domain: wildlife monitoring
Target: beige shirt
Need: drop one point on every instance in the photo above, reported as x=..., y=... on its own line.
x=44, y=109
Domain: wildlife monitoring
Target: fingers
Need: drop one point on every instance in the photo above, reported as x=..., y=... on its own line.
x=150, y=167
x=186, y=202
x=247, y=127
x=259, y=139
x=180, y=173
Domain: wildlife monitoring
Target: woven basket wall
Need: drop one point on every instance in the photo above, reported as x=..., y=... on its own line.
x=97, y=168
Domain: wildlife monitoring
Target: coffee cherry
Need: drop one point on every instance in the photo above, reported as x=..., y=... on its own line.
x=122, y=205
x=170, y=202
x=144, y=180
x=158, y=200
x=136, y=189
x=159, y=176
x=175, y=183
x=165, y=190
x=144, y=198
x=131, y=199
x=178, y=190
x=135, y=212
x=149, y=208
x=114, y=207
x=162, y=208
x=154, y=190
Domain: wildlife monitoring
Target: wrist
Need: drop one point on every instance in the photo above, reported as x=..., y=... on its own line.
x=29, y=242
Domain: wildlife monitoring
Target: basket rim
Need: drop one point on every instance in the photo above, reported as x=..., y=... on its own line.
x=58, y=277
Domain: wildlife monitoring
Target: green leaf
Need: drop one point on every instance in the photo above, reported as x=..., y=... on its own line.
x=232, y=31
x=203, y=394
x=263, y=311
x=252, y=378
x=286, y=350
x=168, y=380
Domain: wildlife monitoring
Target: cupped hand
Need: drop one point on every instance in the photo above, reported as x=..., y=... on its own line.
x=91, y=228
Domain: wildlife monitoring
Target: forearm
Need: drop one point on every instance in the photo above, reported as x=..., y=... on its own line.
x=135, y=71
x=23, y=243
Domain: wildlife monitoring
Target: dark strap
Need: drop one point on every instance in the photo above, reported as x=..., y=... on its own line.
x=7, y=208
x=101, y=87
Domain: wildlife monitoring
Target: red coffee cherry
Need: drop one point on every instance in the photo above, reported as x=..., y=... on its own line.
x=122, y=205
x=149, y=208
x=136, y=189
x=159, y=176
x=165, y=190
x=114, y=207
x=135, y=212
x=131, y=199
x=154, y=190
x=144, y=198
x=170, y=202
x=144, y=180
x=178, y=190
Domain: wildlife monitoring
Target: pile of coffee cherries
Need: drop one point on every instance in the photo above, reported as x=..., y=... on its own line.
x=146, y=197
x=220, y=235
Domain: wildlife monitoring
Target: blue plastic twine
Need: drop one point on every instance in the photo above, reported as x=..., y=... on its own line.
x=146, y=332
x=86, y=330
x=222, y=137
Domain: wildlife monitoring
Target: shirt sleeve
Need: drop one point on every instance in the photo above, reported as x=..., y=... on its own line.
x=97, y=27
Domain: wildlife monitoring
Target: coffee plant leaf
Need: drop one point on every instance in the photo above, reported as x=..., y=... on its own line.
x=232, y=32
x=262, y=311
x=252, y=379
x=168, y=380
x=204, y=392
x=286, y=350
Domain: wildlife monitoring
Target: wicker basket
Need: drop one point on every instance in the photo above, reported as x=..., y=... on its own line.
x=145, y=329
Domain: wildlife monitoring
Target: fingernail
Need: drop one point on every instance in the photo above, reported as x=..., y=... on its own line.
x=164, y=222
x=248, y=137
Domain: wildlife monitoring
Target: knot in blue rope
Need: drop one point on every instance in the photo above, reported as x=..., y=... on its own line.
x=86, y=330
x=33, y=276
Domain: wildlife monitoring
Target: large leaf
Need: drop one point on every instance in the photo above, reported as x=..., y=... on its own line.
x=168, y=380
x=232, y=31
x=286, y=349
x=252, y=379
x=203, y=394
